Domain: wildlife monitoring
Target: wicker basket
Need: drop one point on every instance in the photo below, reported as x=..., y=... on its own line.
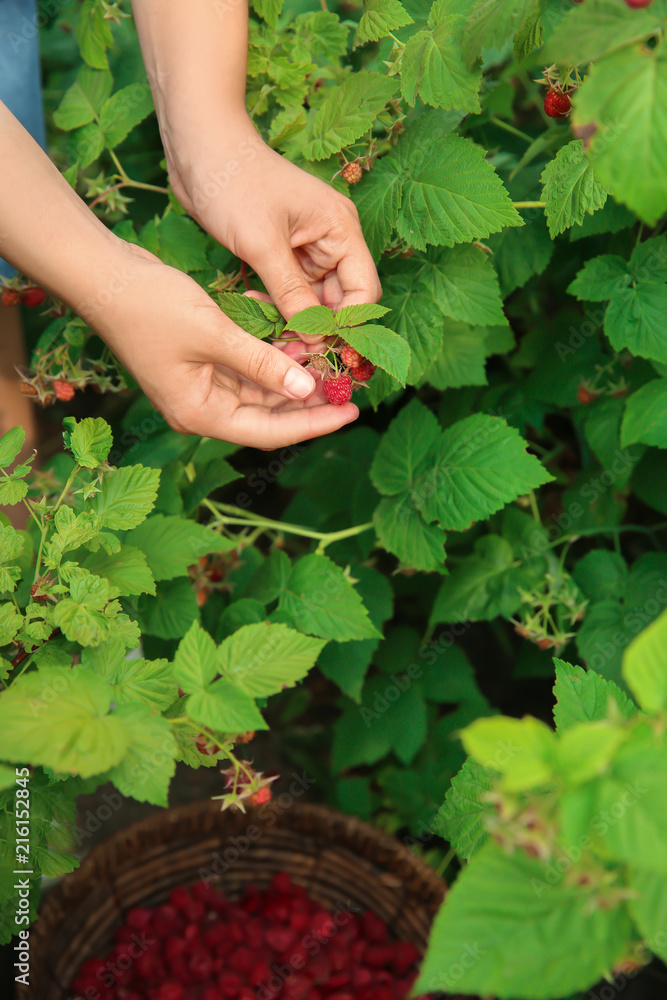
x=335, y=858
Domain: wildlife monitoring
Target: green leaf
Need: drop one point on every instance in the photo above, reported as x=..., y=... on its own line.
x=509, y=933
x=59, y=718
x=464, y=284
x=461, y=359
x=571, y=189
x=490, y=23
x=475, y=468
x=648, y=906
x=403, y=531
x=10, y=622
x=318, y=321
x=172, y=543
x=90, y=442
x=269, y=10
x=10, y=445
x=452, y=195
x=433, y=67
x=596, y=29
x=382, y=347
x=172, y=611
x=127, y=570
x=11, y=543
x=321, y=601
x=482, y=586
x=124, y=111
x=417, y=318
x=347, y=113
x=265, y=658
x=585, y=696
x=357, y=314
x=378, y=199
x=195, y=662
x=261, y=319
x=181, y=243
x=148, y=681
x=83, y=100
x=225, y=708
x=461, y=818
x=645, y=666
x=267, y=582
x=148, y=764
x=624, y=98
x=645, y=418
x=601, y=574
x=600, y=279
x=380, y=17
x=403, y=448
x=127, y=496
x=93, y=34
x=12, y=491
x=523, y=750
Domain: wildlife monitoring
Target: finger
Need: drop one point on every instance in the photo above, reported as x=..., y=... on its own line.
x=332, y=291
x=358, y=276
x=260, y=427
x=259, y=362
x=287, y=285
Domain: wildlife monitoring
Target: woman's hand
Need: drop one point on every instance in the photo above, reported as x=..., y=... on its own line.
x=203, y=373
x=301, y=236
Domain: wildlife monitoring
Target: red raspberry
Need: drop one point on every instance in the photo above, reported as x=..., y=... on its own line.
x=351, y=173
x=338, y=390
x=557, y=104
x=170, y=990
x=64, y=390
x=34, y=297
x=282, y=883
x=350, y=357
x=261, y=796
x=138, y=918
x=363, y=372
x=280, y=938
x=636, y=4
x=404, y=956
x=10, y=297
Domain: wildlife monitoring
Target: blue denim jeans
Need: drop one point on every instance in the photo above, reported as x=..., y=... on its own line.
x=20, y=78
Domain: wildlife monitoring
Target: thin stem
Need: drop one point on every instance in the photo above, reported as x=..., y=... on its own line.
x=119, y=167
x=529, y=204
x=396, y=40
x=533, y=507
x=509, y=128
x=446, y=861
x=586, y=532
x=324, y=537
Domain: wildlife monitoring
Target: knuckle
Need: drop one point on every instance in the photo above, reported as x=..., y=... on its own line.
x=262, y=365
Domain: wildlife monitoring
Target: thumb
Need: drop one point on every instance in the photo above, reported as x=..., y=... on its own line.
x=288, y=287
x=259, y=362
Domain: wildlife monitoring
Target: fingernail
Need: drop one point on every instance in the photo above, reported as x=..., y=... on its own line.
x=299, y=383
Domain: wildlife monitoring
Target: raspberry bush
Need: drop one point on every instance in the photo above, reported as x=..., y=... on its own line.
x=396, y=602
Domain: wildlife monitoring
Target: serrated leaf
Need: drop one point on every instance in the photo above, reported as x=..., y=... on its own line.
x=402, y=531
x=12, y=491
x=10, y=622
x=172, y=611
x=263, y=659
x=347, y=113
x=127, y=570
x=624, y=97
x=321, y=601
x=645, y=666
x=225, y=708
x=127, y=496
x=182, y=244
x=490, y=23
x=358, y=314
x=59, y=718
x=416, y=318
x=315, y=321
x=403, y=448
x=269, y=10
x=149, y=681
x=11, y=543
x=475, y=468
x=10, y=445
x=597, y=28
x=433, y=68
x=571, y=189
x=464, y=284
x=452, y=195
x=250, y=316
x=383, y=348
x=378, y=199
x=548, y=935
x=600, y=278
x=586, y=696
x=93, y=34
x=90, y=442
x=645, y=417
x=461, y=818
x=195, y=662
x=172, y=543
x=83, y=100
x=123, y=111
x=484, y=585
x=380, y=17
x=148, y=764
x=461, y=359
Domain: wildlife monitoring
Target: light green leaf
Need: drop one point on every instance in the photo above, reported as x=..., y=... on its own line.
x=224, y=708
x=382, y=347
x=182, y=244
x=195, y=662
x=523, y=750
x=433, y=68
x=511, y=934
x=314, y=321
x=380, y=17
x=586, y=696
x=357, y=314
x=10, y=445
x=461, y=359
x=464, y=284
x=10, y=622
x=124, y=111
x=93, y=33
x=265, y=658
x=321, y=601
x=59, y=718
x=571, y=189
x=461, y=818
x=11, y=543
x=645, y=666
x=90, y=442
x=347, y=113
x=600, y=279
x=172, y=543
x=148, y=764
x=127, y=496
x=476, y=467
x=251, y=315
x=83, y=100
x=648, y=906
x=378, y=199
x=417, y=318
x=148, y=681
x=645, y=418
x=127, y=570
x=491, y=23
x=452, y=195
x=597, y=28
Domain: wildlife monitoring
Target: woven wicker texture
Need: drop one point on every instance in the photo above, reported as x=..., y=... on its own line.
x=338, y=859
